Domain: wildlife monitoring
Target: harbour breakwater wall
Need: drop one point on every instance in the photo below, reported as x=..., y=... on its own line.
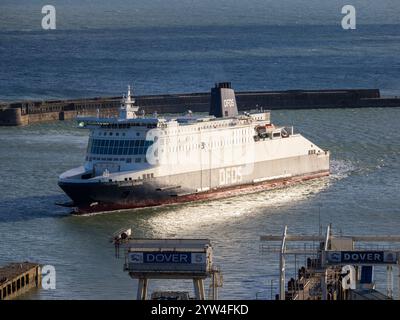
x=27, y=112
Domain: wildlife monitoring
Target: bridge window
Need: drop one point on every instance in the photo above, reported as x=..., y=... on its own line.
x=119, y=147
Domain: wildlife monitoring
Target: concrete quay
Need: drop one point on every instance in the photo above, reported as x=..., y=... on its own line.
x=28, y=112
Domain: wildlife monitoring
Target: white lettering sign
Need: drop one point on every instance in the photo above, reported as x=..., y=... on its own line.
x=349, y=20
x=168, y=257
x=48, y=277
x=229, y=103
x=49, y=20
x=136, y=257
x=349, y=278
x=198, y=258
x=230, y=175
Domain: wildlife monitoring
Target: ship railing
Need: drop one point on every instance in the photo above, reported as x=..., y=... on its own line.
x=102, y=115
x=287, y=131
x=305, y=248
x=377, y=247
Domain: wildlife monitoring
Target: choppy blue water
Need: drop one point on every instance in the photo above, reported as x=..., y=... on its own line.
x=95, y=62
x=94, y=59
x=361, y=197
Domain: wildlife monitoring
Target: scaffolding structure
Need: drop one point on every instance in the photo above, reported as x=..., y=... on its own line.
x=327, y=255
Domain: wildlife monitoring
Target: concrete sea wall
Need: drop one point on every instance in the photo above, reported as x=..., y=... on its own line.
x=28, y=112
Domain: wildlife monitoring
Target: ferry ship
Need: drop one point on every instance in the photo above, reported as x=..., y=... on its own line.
x=137, y=161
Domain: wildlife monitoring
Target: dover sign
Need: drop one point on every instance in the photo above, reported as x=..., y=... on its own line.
x=361, y=257
x=167, y=257
x=168, y=262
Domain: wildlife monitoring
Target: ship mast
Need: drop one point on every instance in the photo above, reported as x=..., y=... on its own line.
x=128, y=108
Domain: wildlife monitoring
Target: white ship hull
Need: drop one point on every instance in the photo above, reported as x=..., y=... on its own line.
x=153, y=161
x=195, y=186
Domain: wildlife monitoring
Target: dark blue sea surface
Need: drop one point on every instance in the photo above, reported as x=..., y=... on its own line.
x=360, y=197
x=100, y=62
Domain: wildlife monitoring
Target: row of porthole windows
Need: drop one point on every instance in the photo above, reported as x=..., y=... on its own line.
x=175, y=131
x=243, y=131
x=127, y=160
x=14, y=286
x=128, y=125
x=145, y=176
x=214, y=144
x=116, y=133
x=235, y=136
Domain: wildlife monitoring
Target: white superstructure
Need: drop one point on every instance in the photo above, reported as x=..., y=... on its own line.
x=189, y=154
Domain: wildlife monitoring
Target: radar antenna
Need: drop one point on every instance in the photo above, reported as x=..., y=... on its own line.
x=128, y=108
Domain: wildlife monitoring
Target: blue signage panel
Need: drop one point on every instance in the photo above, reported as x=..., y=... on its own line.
x=167, y=257
x=361, y=257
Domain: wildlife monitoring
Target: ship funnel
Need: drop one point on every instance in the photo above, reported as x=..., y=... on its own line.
x=223, y=101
